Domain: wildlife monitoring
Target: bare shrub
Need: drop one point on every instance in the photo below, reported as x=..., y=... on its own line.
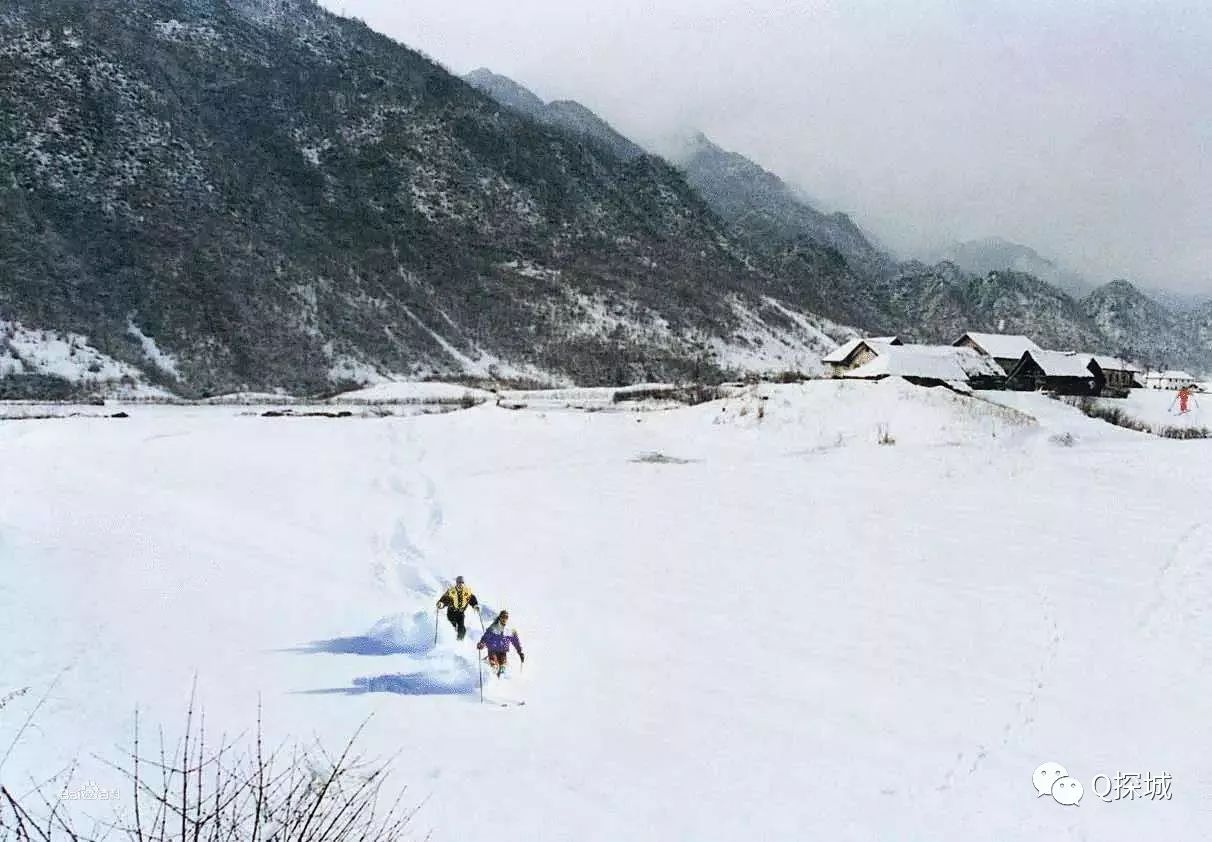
x=491, y=384
x=1185, y=433
x=1063, y=439
x=1111, y=414
x=218, y=792
x=464, y=401
x=290, y=413
x=657, y=458
x=689, y=395
x=7, y=698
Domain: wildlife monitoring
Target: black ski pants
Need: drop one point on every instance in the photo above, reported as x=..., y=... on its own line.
x=457, y=620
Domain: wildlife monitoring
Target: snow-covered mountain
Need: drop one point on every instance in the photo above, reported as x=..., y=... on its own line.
x=1182, y=303
x=756, y=203
x=940, y=302
x=1154, y=327
x=765, y=209
x=993, y=254
x=1133, y=320
x=1146, y=330
x=990, y=285
x=773, y=219
x=276, y=197
x=565, y=114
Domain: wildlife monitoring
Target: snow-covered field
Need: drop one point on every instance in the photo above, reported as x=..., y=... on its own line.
x=1159, y=408
x=743, y=620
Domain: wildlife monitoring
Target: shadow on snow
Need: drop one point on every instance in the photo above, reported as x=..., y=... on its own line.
x=407, y=684
x=436, y=671
x=401, y=634
x=361, y=645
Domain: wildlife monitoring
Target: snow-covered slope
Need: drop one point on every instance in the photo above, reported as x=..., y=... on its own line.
x=743, y=620
x=68, y=356
x=70, y=359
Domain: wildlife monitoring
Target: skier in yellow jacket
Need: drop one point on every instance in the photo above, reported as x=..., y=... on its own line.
x=456, y=600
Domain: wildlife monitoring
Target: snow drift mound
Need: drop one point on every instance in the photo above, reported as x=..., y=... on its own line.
x=892, y=411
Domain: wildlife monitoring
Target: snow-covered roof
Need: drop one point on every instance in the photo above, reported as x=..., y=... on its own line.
x=1001, y=345
x=937, y=362
x=839, y=354
x=1063, y=363
x=1115, y=364
x=1169, y=375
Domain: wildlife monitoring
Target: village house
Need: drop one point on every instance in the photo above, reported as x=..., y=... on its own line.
x=1117, y=376
x=1006, y=349
x=931, y=365
x=857, y=352
x=1062, y=372
x=1168, y=379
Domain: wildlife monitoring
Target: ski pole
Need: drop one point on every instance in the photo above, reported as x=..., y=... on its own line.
x=480, y=670
x=437, y=618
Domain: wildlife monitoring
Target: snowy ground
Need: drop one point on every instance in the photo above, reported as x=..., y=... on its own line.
x=746, y=619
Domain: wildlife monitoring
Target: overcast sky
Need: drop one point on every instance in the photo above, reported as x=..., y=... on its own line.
x=1082, y=129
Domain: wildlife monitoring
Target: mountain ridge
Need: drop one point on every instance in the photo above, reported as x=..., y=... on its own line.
x=277, y=197
x=569, y=115
x=994, y=253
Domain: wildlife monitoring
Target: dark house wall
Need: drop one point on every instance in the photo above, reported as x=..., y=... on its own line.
x=1028, y=376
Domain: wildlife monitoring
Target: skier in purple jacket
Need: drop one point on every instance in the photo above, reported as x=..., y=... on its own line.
x=497, y=638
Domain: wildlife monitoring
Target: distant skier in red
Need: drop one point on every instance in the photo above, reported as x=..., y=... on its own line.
x=1184, y=397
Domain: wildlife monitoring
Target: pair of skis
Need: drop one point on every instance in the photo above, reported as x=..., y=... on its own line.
x=1186, y=411
x=500, y=674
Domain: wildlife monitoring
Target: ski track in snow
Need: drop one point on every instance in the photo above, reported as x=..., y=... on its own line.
x=418, y=511
x=969, y=762
x=443, y=668
x=1180, y=591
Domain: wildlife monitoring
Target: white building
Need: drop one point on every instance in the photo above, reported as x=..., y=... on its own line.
x=1171, y=379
